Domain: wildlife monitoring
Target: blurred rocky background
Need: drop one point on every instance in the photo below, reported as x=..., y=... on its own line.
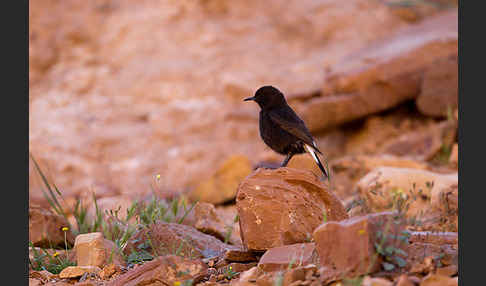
x=132, y=98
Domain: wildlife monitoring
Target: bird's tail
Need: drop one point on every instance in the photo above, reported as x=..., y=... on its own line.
x=316, y=158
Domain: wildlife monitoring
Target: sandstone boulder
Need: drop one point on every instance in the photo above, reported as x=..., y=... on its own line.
x=348, y=248
x=92, y=249
x=207, y=219
x=45, y=228
x=164, y=238
x=283, y=206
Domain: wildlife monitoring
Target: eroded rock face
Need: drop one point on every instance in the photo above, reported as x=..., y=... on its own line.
x=163, y=270
x=385, y=73
x=45, y=228
x=347, y=248
x=283, y=206
x=118, y=92
x=171, y=238
x=432, y=196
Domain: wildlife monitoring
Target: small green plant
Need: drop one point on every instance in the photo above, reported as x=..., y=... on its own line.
x=112, y=224
x=43, y=260
x=230, y=273
x=278, y=279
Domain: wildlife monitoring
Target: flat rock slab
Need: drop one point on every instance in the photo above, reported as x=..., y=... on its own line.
x=164, y=270
x=387, y=73
x=279, y=258
x=172, y=238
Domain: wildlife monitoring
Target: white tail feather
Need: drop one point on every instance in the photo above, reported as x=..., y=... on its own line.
x=313, y=154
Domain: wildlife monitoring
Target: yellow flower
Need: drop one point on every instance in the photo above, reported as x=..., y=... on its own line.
x=361, y=231
x=65, y=228
x=158, y=178
x=231, y=267
x=177, y=283
x=56, y=254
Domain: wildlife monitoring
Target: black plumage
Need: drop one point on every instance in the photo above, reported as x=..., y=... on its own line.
x=281, y=128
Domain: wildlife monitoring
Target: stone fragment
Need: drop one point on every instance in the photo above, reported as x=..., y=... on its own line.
x=78, y=271
x=438, y=280
x=163, y=270
x=92, y=249
x=279, y=258
x=348, y=248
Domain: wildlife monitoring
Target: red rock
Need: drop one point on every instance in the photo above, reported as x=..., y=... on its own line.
x=35, y=282
x=45, y=228
x=78, y=271
x=284, y=278
x=108, y=270
x=449, y=270
x=223, y=184
x=249, y=275
x=240, y=256
x=207, y=219
x=454, y=157
x=164, y=270
x=92, y=249
x=403, y=280
x=378, y=130
x=347, y=170
x=376, y=281
x=347, y=248
x=172, y=238
x=423, y=144
x=279, y=258
x=283, y=206
x=384, y=74
x=438, y=280
x=439, y=91
x=424, y=257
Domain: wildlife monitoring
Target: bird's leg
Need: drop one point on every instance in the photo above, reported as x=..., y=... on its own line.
x=287, y=159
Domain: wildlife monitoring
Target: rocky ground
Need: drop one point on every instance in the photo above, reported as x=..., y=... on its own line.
x=136, y=116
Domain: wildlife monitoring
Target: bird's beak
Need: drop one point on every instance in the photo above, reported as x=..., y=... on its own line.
x=249, y=98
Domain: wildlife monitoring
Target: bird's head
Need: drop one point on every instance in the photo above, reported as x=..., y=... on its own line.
x=268, y=97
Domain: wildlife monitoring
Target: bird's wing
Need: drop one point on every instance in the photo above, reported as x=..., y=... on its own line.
x=290, y=122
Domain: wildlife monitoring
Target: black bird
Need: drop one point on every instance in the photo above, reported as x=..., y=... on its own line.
x=280, y=127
